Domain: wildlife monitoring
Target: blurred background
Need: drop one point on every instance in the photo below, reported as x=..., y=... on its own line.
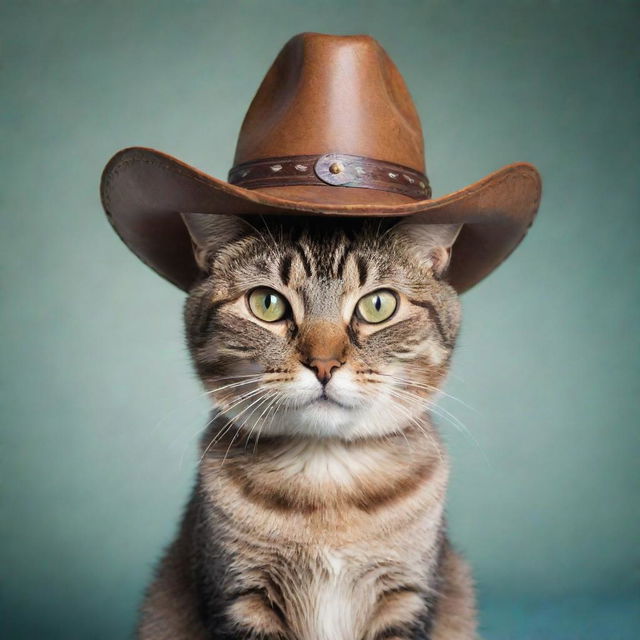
x=100, y=408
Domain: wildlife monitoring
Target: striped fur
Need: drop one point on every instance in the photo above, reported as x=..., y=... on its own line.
x=318, y=510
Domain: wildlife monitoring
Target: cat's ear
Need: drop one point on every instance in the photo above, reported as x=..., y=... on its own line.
x=432, y=243
x=212, y=232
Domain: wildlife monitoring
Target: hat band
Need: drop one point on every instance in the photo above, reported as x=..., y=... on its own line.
x=334, y=169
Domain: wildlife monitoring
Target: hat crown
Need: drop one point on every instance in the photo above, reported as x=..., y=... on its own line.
x=332, y=94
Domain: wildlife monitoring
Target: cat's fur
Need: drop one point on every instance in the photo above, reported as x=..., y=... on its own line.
x=312, y=518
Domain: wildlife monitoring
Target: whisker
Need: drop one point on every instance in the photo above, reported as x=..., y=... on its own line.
x=226, y=407
x=171, y=412
x=260, y=402
x=428, y=387
x=206, y=393
x=414, y=420
x=437, y=409
x=235, y=384
x=269, y=398
x=265, y=413
x=274, y=412
x=225, y=428
x=448, y=416
x=267, y=244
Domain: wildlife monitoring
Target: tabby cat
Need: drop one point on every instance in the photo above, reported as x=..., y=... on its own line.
x=318, y=508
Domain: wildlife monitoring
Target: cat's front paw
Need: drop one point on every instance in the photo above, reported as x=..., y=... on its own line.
x=253, y=615
x=397, y=615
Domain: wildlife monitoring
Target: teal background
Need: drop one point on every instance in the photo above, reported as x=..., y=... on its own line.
x=100, y=409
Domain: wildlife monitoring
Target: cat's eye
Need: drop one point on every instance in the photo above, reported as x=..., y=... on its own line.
x=377, y=307
x=267, y=305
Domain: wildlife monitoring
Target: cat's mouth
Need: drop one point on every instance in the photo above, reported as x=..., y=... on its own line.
x=324, y=400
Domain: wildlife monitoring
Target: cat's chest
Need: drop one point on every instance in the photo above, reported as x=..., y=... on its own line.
x=333, y=598
x=326, y=538
x=335, y=594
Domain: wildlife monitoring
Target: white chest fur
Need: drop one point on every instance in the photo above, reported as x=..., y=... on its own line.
x=335, y=609
x=342, y=601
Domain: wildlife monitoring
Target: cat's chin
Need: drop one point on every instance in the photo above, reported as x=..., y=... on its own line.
x=324, y=417
x=316, y=418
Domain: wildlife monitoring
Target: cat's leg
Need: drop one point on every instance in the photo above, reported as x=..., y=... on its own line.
x=252, y=616
x=455, y=612
x=170, y=610
x=449, y=616
x=401, y=615
x=173, y=609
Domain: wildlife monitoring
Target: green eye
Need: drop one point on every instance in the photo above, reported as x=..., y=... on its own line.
x=377, y=306
x=267, y=305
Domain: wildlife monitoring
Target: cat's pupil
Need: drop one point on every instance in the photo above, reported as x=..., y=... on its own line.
x=377, y=303
x=267, y=301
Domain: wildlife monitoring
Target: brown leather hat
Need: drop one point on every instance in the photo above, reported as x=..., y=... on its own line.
x=331, y=131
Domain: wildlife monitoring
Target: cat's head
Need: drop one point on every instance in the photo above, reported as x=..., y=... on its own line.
x=321, y=327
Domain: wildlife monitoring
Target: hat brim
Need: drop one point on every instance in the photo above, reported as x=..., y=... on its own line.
x=144, y=192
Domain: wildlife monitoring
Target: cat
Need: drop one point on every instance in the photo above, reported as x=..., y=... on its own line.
x=318, y=510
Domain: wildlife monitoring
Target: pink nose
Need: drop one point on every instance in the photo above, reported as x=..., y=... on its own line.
x=324, y=367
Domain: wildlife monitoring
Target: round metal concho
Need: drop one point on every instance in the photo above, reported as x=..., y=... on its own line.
x=331, y=168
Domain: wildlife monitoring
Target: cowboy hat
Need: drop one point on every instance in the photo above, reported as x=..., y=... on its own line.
x=332, y=131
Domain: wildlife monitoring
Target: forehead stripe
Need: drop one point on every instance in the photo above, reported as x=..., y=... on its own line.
x=363, y=272
x=285, y=269
x=305, y=261
x=343, y=261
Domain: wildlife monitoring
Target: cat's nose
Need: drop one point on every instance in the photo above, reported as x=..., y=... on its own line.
x=322, y=347
x=324, y=367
